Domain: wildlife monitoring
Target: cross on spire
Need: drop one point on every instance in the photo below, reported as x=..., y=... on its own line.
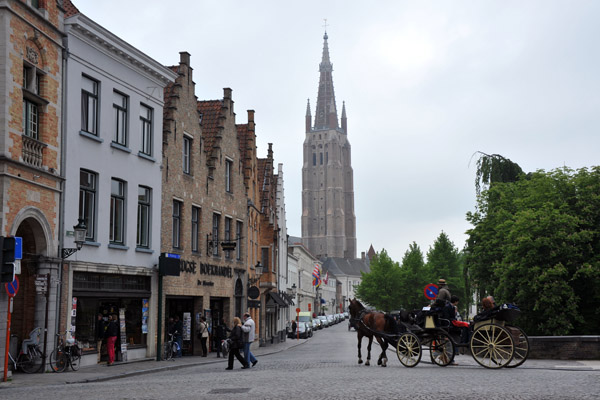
x=325, y=24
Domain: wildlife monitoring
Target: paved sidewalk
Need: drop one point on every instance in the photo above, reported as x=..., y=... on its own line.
x=100, y=372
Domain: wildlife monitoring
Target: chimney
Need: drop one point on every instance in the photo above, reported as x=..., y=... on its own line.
x=227, y=102
x=362, y=255
x=184, y=58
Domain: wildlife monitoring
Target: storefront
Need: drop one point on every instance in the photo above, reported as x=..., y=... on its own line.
x=125, y=296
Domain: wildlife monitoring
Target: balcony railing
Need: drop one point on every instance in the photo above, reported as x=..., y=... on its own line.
x=33, y=151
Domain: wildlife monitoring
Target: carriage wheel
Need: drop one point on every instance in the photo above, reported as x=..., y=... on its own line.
x=521, y=342
x=492, y=346
x=441, y=349
x=408, y=349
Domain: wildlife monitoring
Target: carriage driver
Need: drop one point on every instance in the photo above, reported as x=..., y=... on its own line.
x=444, y=292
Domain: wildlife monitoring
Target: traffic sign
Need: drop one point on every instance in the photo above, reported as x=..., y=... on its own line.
x=18, y=248
x=12, y=288
x=298, y=310
x=431, y=291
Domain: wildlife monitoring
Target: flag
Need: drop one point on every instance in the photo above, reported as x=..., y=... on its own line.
x=326, y=279
x=316, y=276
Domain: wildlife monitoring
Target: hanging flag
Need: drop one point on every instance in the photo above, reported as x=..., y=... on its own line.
x=316, y=276
x=326, y=279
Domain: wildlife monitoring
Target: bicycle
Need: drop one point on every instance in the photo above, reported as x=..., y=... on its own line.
x=65, y=355
x=30, y=359
x=171, y=347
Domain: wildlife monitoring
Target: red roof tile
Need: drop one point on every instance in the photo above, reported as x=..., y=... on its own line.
x=70, y=8
x=210, y=111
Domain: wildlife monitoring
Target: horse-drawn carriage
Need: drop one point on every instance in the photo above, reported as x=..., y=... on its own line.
x=493, y=341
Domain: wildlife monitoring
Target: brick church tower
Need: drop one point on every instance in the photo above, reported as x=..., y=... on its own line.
x=328, y=221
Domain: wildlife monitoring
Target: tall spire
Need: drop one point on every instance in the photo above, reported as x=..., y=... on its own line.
x=344, y=119
x=326, y=112
x=308, y=117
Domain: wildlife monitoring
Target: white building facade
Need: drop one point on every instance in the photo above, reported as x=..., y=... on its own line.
x=113, y=160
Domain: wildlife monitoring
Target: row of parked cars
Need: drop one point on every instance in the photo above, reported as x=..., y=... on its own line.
x=308, y=324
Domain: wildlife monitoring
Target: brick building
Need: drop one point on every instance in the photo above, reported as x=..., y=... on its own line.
x=203, y=206
x=31, y=169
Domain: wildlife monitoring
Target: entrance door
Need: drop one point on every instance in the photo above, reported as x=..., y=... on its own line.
x=180, y=306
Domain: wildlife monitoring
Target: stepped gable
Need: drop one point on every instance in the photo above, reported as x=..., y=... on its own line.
x=265, y=184
x=69, y=8
x=171, y=93
x=210, y=112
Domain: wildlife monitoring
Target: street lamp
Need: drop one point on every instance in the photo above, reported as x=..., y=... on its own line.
x=258, y=270
x=80, y=229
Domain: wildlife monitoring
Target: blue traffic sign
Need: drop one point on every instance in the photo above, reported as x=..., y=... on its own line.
x=18, y=248
x=431, y=291
x=172, y=255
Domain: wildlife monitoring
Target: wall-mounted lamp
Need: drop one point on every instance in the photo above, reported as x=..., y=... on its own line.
x=80, y=229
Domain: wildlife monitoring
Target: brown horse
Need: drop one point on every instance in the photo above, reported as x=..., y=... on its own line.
x=369, y=324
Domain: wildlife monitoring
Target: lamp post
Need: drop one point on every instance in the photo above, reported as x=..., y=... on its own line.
x=80, y=229
x=258, y=270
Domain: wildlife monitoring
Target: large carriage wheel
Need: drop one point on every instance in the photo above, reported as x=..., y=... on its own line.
x=441, y=349
x=408, y=349
x=521, y=342
x=492, y=346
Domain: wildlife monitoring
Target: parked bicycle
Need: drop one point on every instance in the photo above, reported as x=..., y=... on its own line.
x=171, y=347
x=66, y=354
x=30, y=358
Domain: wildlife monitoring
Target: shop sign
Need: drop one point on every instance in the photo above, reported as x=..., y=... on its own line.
x=192, y=267
x=205, y=283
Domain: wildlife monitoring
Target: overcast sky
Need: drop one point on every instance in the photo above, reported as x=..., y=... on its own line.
x=426, y=85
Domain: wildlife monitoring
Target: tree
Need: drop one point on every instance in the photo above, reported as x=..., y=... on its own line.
x=413, y=278
x=445, y=261
x=495, y=168
x=380, y=288
x=536, y=242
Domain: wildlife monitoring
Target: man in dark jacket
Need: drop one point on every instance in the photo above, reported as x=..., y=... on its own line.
x=220, y=334
x=178, y=335
x=100, y=328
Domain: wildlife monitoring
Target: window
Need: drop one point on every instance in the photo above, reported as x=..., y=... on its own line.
x=143, y=217
x=314, y=158
x=187, y=147
x=117, y=211
x=31, y=119
x=120, y=107
x=176, y=224
x=195, y=227
x=146, y=124
x=89, y=105
x=215, y=234
x=227, y=237
x=238, y=239
x=321, y=158
x=264, y=253
x=87, y=201
x=228, y=169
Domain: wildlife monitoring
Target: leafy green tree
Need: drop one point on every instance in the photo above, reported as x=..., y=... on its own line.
x=445, y=261
x=495, y=168
x=380, y=288
x=536, y=242
x=414, y=278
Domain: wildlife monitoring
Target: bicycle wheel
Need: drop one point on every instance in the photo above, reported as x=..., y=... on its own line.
x=75, y=358
x=168, y=353
x=31, y=362
x=441, y=349
x=58, y=360
x=521, y=342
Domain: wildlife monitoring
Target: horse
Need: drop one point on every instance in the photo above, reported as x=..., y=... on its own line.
x=369, y=324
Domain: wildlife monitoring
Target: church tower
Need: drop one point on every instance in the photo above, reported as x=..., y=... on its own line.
x=328, y=221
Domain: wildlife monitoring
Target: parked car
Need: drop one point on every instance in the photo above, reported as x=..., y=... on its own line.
x=330, y=319
x=346, y=315
x=317, y=324
x=324, y=320
x=303, y=329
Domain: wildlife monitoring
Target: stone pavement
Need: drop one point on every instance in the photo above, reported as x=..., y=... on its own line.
x=100, y=372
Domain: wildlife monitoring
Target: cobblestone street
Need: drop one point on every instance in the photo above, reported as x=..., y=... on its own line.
x=324, y=366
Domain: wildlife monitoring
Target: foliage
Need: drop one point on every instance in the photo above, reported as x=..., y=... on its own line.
x=380, y=288
x=536, y=242
x=445, y=261
x=413, y=278
x=495, y=168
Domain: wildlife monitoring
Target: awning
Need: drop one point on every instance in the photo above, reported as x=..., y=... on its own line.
x=277, y=299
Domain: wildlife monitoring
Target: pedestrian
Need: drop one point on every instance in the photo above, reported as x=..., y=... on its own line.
x=100, y=331
x=178, y=334
x=203, y=335
x=294, y=327
x=444, y=292
x=220, y=334
x=237, y=342
x=248, y=329
x=112, y=331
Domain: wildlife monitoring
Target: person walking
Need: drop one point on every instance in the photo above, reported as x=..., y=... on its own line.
x=249, y=329
x=237, y=342
x=220, y=334
x=100, y=331
x=203, y=335
x=112, y=331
